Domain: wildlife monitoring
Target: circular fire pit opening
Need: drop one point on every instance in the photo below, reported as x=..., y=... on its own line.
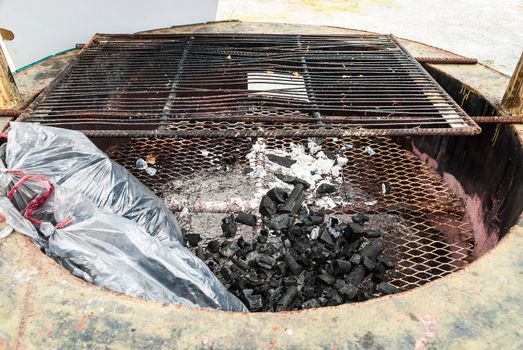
x=414, y=228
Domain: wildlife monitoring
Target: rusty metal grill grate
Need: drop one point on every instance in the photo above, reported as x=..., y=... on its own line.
x=221, y=85
x=425, y=228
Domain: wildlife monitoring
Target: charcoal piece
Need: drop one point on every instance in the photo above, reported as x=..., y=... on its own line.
x=264, y=232
x=292, y=180
x=317, y=252
x=357, y=275
x=290, y=281
x=242, y=264
x=280, y=222
x=333, y=221
x=325, y=189
x=353, y=232
x=327, y=279
x=360, y=218
x=293, y=265
x=341, y=267
x=372, y=250
x=329, y=154
x=267, y=207
x=229, y=250
x=200, y=253
x=262, y=239
x=323, y=301
x=389, y=264
x=279, y=255
x=348, y=292
x=372, y=234
x=246, y=219
x=253, y=280
x=356, y=259
x=296, y=198
x=193, y=239
x=368, y=263
x=311, y=304
x=242, y=243
x=317, y=219
x=325, y=237
x=283, y=161
x=386, y=288
x=238, y=270
x=304, y=260
x=278, y=195
x=377, y=277
x=339, y=284
x=287, y=298
x=226, y=274
x=380, y=268
x=335, y=298
x=265, y=261
x=229, y=226
x=301, y=247
x=254, y=301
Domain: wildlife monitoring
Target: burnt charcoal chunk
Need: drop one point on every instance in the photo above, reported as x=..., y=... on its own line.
x=213, y=246
x=267, y=207
x=348, y=292
x=357, y=275
x=242, y=265
x=341, y=267
x=360, y=218
x=329, y=154
x=353, y=232
x=326, y=237
x=325, y=189
x=193, y=239
x=200, y=253
x=278, y=195
x=283, y=161
x=287, y=298
x=229, y=250
x=335, y=298
x=333, y=221
x=372, y=250
x=372, y=234
x=290, y=281
x=292, y=180
x=229, y=226
x=386, y=288
x=377, y=277
x=296, y=198
x=246, y=219
x=265, y=261
x=389, y=264
x=327, y=279
x=301, y=247
x=368, y=263
x=280, y=221
x=356, y=259
x=262, y=239
x=293, y=265
x=311, y=304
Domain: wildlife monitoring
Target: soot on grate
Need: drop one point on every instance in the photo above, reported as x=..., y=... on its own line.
x=421, y=224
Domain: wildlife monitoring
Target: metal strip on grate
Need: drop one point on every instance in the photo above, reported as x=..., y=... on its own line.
x=221, y=85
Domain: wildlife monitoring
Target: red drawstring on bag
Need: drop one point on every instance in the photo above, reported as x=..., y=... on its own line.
x=38, y=200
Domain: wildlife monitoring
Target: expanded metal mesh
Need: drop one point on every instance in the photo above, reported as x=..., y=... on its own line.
x=249, y=85
x=425, y=228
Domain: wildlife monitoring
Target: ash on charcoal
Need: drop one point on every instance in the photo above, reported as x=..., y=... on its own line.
x=282, y=249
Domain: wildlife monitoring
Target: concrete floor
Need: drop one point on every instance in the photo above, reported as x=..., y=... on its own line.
x=491, y=31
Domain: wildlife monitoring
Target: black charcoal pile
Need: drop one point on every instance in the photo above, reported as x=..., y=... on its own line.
x=299, y=259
